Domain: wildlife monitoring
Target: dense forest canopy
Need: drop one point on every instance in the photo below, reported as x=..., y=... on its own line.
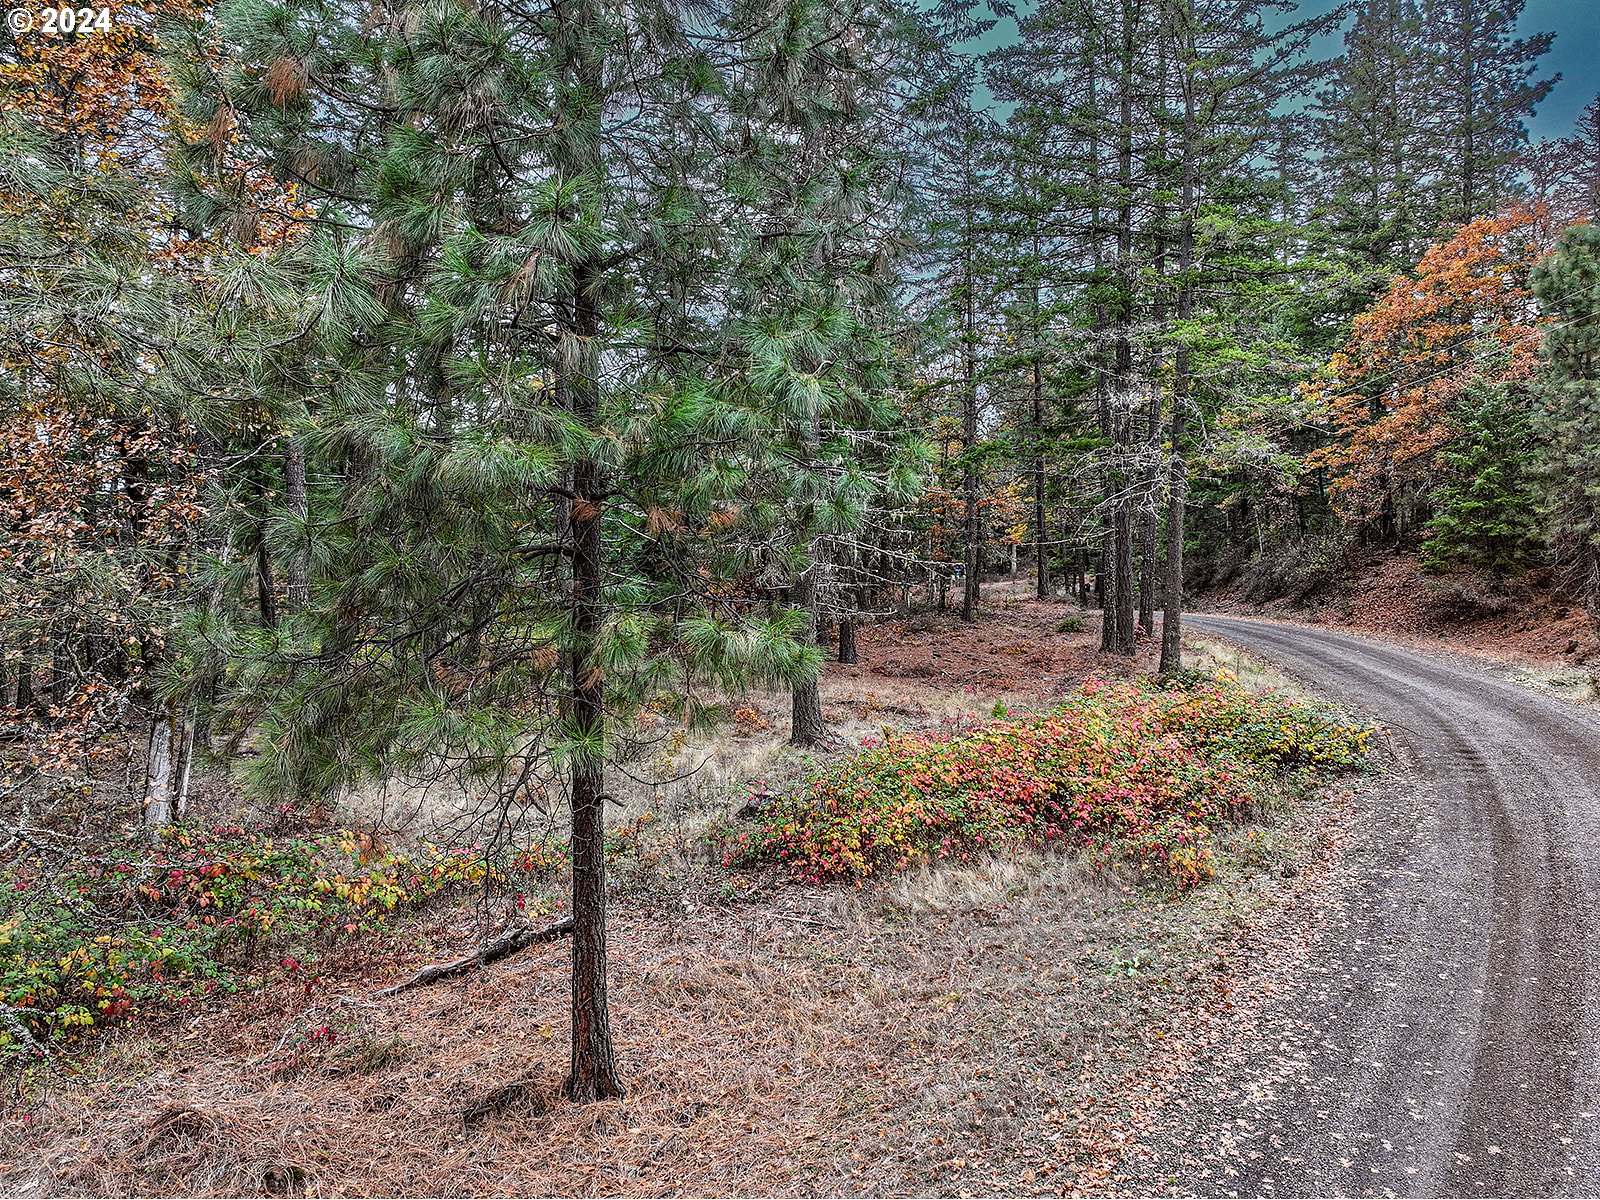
x=447, y=389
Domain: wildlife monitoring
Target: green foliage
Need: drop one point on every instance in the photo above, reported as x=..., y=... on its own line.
x=132, y=931
x=1567, y=283
x=1130, y=771
x=1486, y=509
x=1070, y=624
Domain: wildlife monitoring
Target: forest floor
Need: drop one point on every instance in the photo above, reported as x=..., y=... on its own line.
x=1519, y=630
x=1004, y=1026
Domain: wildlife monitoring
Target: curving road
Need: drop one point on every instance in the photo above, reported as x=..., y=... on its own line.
x=1442, y=1037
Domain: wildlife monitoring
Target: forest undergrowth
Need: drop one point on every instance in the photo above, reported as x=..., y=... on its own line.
x=989, y=1014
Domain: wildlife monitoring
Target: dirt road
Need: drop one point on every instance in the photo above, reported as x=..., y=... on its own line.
x=1442, y=1035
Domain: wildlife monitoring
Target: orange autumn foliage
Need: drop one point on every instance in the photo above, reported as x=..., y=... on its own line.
x=106, y=90
x=101, y=482
x=1391, y=394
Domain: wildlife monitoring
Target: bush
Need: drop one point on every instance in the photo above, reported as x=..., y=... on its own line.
x=1131, y=771
x=1072, y=624
x=137, y=928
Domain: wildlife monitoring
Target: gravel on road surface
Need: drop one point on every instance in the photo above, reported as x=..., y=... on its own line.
x=1441, y=1037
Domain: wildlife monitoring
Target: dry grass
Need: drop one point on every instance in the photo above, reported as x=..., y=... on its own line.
x=1255, y=673
x=989, y=1027
x=981, y=1028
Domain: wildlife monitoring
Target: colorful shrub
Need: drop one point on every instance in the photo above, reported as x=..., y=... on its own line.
x=138, y=928
x=1129, y=771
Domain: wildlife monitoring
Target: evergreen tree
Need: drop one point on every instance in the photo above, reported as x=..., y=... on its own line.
x=1371, y=156
x=1567, y=283
x=819, y=184
x=1482, y=90
x=957, y=170
x=1582, y=160
x=1486, y=510
x=519, y=342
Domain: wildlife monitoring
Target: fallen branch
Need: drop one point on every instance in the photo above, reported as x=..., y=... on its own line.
x=502, y=945
x=804, y=920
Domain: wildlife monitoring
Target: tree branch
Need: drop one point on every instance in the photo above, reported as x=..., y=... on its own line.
x=502, y=945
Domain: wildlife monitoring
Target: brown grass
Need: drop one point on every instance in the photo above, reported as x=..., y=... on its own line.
x=997, y=1026
x=980, y=1028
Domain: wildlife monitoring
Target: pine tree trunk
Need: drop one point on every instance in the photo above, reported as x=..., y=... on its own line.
x=593, y=1072
x=24, y=689
x=294, y=494
x=1041, y=557
x=1121, y=416
x=806, y=727
x=1105, y=586
x=1177, y=482
x=1177, y=470
x=972, y=557
x=264, y=585
x=187, y=728
x=1150, y=531
x=1149, y=538
x=847, y=640
x=969, y=485
x=1123, y=568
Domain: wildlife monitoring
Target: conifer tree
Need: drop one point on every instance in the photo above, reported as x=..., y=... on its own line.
x=1486, y=508
x=529, y=394
x=1582, y=155
x=1372, y=154
x=1482, y=89
x=818, y=178
x=957, y=169
x=1567, y=283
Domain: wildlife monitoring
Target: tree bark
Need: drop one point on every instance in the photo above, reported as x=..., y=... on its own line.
x=593, y=1072
x=1121, y=416
x=1150, y=529
x=1177, y=469
x=847, y=640
x=24, y=688
x=973, y=558
x=294, y=494
x=188, y=726
x=264, y=586
x=806, y=727
x=969, y=411
x=1041, y=556
x=1149, y=538
x=160, y=768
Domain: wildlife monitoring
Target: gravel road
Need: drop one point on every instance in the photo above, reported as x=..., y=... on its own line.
x=1441, y=1037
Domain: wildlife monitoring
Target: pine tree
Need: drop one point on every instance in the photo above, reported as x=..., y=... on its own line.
x=530, y=398
x=818, y=181
x=1040, y=206
x=1372, y=156
x=1232, y=77
x=1486, y=510
x=957, y=168
x=1482, y=90
x=1583, y=160
x=1567, y=283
